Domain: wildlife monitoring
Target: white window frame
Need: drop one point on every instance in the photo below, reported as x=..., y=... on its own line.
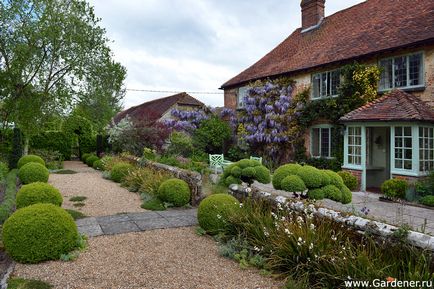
x=320, y=127
x=407, y=56
x=353, y=145
x=320, y=74
x=241, y=92
x=424, y=150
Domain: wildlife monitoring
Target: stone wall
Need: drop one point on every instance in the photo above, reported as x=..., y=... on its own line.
x=356, y=223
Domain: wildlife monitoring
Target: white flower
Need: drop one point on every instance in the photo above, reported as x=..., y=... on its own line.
x=312, y=226
x=248, y=190
x=311, y=246
x=219, y=217
x=299, y=219
x=334, y=238
x=241, y=205
x=256, y=249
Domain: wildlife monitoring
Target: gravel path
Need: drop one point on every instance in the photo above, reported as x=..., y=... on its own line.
x=104, y=197
x=168, y=258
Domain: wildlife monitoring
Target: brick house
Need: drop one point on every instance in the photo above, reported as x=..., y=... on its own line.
x=392, y=136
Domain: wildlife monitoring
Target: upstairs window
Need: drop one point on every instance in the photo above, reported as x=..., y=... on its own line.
x=402, y=72
x=325, y=84
x=242, y=92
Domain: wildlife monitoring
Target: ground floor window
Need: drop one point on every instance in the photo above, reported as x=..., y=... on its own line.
x=321, y=141
x=403, y=148
x=426, y=149
x=354, y=145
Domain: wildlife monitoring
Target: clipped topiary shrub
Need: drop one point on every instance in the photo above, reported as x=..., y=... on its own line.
x=174, y=191
x=30, y=159
x=427, y=201
x=349, y=180
x=38, y=233
x=394, y=188
x=120, y=170
x=38, y=192
x=282, y=172
x=33, y=172
x=312, y=177
x=98, y=165
x=232, y=180
x=214, y=210
x=316, y=194
x=333, y=193
x=91, y=159
x=262, y=174
x=293, y=184
x=326, y=179
x=335, y=179
x=247, y=171
x=347, y=196
x=236, y=171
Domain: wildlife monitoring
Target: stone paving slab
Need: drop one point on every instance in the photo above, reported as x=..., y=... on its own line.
x=136, y=222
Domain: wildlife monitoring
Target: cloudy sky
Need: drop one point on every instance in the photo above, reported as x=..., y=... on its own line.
x=195, y=45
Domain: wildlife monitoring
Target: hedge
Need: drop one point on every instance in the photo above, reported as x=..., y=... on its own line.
x=8, y=203
x=53, y=140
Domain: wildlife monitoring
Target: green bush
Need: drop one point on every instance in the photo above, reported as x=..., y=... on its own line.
x=333, y=164
x=425, y=186
x=347, y=195
x=53, y=159
x=153, y=204
x=4, y=169
x=262, y=174
x=79, y=128
x=293, y=184
x=91, y=159
x=349, y=180
x=17, y=148
x=394, y=188
x=312, y=177
x=282, y=172
x=9, y=198
x=316, y=194
x=54, y=141
x=85, y=156
x=232, y=180
x=174, y=191
x=120, y=170
x=38, y=233
x=214, y=210
x=335, y=179
x=236, y=171
x=180, y=144
x=38, y=192
x=427, y=201
x=212, y=135
x=30, y=159
x=247, y=171
x=98, y=165
x=333, y=193
x=33, y=172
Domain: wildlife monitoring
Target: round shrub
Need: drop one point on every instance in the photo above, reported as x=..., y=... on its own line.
x=247, y=163
x=38, y=192
x=335, y=179
x=248, y=172
x=236, y=171
x=326, y=179
x=347, y=196
x=85, y=156
x=311, y=176
x=332, y=192
x=282, y=172
x=293, y=184
x=232, y=180
x=33, y=172
x=38, y=233
x=262, y=174
x=30, y=159
x=349, y=180
x=316, y=194
x=394, y=188
x=214, y=211
x=174, y=191
x=427, y=201
x=120, y=170
x=98, y=165
x=91, y=159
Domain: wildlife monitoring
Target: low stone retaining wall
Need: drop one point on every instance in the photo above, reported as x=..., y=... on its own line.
x=357, y=223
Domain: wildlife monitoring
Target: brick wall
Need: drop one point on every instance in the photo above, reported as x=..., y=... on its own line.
x=312, y=11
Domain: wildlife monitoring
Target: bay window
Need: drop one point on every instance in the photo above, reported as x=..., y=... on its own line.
x=403, y=149
x=354, y=146
x=426, y=149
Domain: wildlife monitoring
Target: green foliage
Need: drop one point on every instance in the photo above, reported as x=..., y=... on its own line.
x=19, y=283
x=212, y=135
x=79, y=130
x=427, y=200
x=53, y=159
x=77, y=199
x=312, y=177
x=293, y=183
x=145, y=180
x=4, y=169
x=425, y=186
x=262, y=174
x=236, y=171
x=33, y=172
x=8, y=203
x=174, y=191
x=90, y=160
x=38, y=233
x=316, y=194
x=232, y=180
x=153, y=204
x=30, y=159
x=236, y=153
x=76, y=215
x=335, y=178
x=333, y=164
x=98, y=165
x=180, y=144
x=120, y=170
x=36, y=193
x=247, y=171
x=394, y=188
x=333, y=193
x=54, y=141
x=347, y=195
x=85, y=156
x=17, y=148
x=282, y=172
x=214, y=210
x=349, y=180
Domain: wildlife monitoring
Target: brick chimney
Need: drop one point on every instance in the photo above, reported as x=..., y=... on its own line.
x=312, y=13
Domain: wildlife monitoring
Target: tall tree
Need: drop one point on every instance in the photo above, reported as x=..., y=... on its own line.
x=49, y=51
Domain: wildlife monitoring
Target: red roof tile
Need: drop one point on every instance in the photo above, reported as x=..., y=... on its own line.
x=394, y=106
x=370, y=27
x=154, y=109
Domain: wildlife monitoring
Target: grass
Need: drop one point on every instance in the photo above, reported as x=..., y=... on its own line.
x=76, y=214
x=78, y=198
x=65, y=172
x=19, y=283
x=79, y=205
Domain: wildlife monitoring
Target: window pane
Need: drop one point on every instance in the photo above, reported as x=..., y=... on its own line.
x=315, y=142
x=408, y=154
x=325, y=142
x=398, y=164
x=407, y=142
x=400, y=69
x=407, y=165
x=386, y=74
x=323, y=84
x=335, y=82
x=407, y=131
x=398, y=131
x=316, y=85
x=415, y=69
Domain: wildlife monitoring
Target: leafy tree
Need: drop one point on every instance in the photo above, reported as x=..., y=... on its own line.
x=52, y=53
x=212, y=135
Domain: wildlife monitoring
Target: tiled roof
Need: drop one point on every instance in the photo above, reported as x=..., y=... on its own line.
x=154, y=109
x=370, y=27
x=394, y=106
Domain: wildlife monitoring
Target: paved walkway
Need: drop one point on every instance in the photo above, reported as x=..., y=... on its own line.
x=420, y=219
x=136, y=222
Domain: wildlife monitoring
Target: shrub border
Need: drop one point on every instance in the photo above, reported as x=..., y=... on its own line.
x=8, y=204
